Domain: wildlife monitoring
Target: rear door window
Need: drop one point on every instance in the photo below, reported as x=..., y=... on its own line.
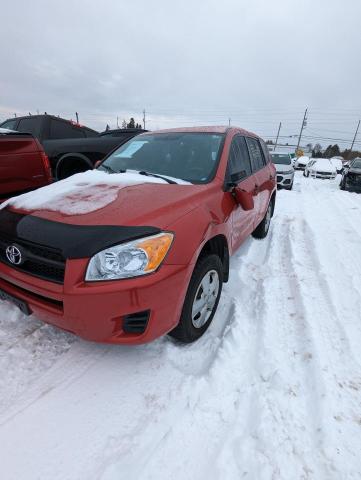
x=60, y=129
x=266, y=152
x=30, y=125
x=256, y=154
x=239, y=160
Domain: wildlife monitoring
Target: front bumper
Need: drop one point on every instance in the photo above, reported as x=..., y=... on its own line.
x=326, y=175
x=96, y=311
x=352, y=186
x=285, y=180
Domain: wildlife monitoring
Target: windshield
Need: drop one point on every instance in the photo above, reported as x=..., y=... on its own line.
x=188, y=156
x=356, y=164
x=281, y=158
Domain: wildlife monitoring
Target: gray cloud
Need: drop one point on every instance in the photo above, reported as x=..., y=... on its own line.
x=188, y=62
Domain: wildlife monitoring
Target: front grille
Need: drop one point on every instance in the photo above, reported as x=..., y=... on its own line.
x=39, y=260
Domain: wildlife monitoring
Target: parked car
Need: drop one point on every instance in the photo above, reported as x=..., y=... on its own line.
x=71, y=148
x=338, y=163
x=351, y=178
x=113, y=257
x=320, y=168
x=284, y=168
x=301, y=162
x=24, y=165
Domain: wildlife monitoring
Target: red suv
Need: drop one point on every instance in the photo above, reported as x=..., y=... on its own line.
x=150, y=258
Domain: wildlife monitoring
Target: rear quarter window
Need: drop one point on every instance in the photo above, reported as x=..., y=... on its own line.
x=60, y=129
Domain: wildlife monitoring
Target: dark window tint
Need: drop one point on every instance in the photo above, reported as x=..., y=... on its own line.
x=30, y=125
x=239, y=157
x=10, y=124
x=257, y=159
x=266, y=152
x=60, y=129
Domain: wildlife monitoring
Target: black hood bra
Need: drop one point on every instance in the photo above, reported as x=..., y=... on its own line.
x=74, y=241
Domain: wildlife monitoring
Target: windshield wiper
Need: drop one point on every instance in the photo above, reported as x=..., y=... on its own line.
x=107, y=168
x=111, y=170
x=149, y=174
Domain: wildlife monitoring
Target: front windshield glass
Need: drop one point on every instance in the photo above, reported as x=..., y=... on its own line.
x=188, y=156
x=356, y=164
x=281, y=158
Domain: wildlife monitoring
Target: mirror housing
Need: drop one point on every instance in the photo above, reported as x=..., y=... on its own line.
x=244, y=199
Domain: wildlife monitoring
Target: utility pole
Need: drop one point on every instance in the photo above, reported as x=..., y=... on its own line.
x=278, y=134
x=117, y=121
x=304, y=123
x=144, y=119
x=229, y=122
x=354, y=138
x=77, y=117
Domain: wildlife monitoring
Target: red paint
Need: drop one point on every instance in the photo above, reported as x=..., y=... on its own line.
x=23, y=165
x=195, y=214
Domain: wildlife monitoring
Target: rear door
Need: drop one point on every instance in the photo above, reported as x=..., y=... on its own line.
x=239, y=165
x=263, y=176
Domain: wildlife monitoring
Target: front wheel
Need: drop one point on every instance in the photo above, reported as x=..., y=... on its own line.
x=201, y=300
x=262, y=229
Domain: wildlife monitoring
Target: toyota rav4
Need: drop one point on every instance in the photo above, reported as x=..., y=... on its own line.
x=139, y=247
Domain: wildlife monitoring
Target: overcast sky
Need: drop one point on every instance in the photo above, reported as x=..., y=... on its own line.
x=186, y=63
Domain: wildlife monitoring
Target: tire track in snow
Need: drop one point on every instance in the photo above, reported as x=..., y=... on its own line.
x=340, y=370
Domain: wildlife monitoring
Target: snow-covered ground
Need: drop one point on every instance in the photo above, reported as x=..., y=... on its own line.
x=272, y=391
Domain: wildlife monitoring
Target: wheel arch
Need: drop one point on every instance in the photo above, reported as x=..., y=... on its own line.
x=72, y=155
x=218, y=245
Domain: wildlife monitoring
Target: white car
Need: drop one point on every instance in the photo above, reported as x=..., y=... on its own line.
x=320, y=168
x=284, y=168
x=338, y=163
x=301, y=162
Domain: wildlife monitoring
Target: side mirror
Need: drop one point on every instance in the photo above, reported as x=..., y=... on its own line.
x=97, y=163
x=245, y=199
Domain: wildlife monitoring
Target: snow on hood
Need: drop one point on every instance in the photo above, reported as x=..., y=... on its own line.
x=324, y=165
x=82, y=193
x=303, y=160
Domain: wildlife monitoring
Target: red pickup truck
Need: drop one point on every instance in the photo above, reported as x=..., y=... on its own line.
x=24, y=165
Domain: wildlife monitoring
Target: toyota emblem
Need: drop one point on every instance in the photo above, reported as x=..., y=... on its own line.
x=13, y=254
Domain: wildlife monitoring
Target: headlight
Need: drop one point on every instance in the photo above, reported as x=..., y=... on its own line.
x=131, y=259
x=289, y=172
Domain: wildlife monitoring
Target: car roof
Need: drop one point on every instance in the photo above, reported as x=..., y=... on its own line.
x=51, y=116
x=205, y=129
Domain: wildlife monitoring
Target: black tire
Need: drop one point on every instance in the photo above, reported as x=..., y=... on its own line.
x=290, y=187
x=262, y=230
x=343, y=184
x=186, y=331
x=69, y=166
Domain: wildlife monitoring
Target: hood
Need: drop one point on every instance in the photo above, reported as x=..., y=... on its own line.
x=117, y=199
x=324, y=167
x=283, y=168
x=356, y=171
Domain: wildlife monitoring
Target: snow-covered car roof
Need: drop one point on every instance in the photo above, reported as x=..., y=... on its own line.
x=324, y=163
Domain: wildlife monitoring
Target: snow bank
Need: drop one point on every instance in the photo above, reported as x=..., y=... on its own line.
x=81, y=193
